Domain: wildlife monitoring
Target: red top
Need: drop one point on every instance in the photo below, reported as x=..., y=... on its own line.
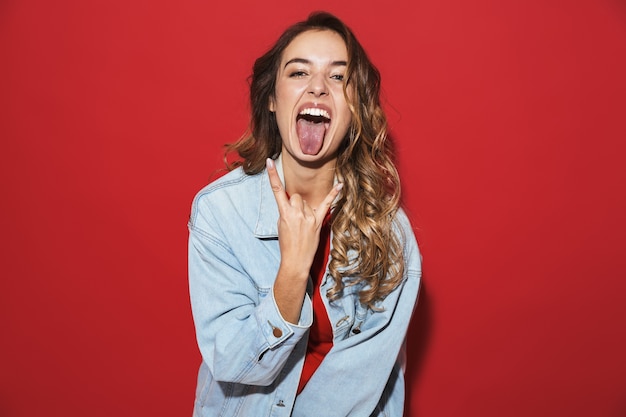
x=321, y=332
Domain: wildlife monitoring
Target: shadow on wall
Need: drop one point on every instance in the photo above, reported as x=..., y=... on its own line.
x=418, y=339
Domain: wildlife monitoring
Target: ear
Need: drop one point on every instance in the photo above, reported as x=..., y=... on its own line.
x=272, y=105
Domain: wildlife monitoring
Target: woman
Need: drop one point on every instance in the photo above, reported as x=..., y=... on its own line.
x=303, y=270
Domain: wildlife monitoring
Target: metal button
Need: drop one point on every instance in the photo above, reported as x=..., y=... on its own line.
x=275, y=330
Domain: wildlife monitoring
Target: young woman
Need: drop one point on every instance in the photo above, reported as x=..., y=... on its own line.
x=303, y=269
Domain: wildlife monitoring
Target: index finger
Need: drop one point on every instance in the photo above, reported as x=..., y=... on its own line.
x=277, y=185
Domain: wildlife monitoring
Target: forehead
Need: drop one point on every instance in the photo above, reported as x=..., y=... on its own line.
x=316, y=45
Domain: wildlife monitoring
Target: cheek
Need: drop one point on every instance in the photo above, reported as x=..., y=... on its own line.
x=279, y=105
x=344, y=126
x=346, y=116
x=285, y=99
x=279, y=93
x=346, y=106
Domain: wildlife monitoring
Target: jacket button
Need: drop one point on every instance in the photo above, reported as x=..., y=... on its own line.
x=275, y=330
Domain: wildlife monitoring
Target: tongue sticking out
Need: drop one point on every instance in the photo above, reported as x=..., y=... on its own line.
x=311, y=135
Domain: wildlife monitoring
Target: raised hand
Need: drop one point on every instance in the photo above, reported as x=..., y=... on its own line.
x=298, y=235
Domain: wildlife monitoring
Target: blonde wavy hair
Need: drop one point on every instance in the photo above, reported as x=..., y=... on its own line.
x=366, y=249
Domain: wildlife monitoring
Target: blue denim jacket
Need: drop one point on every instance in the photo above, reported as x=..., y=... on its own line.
x=252, y=357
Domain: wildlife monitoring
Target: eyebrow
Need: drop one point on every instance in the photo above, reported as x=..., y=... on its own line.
x=306, y=61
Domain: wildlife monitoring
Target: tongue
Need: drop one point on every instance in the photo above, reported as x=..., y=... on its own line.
x=311, y=136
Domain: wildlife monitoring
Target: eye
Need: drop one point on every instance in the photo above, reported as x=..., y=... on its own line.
x=297, y=74
x=338, y=77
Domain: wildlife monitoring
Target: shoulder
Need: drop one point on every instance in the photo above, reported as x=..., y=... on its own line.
x=227, y=181
x=402, y=219
x=402, y=226
x=405, y=231
x=234, y=190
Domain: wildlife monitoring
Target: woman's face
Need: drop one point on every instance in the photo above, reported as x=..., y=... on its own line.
x=311, y=110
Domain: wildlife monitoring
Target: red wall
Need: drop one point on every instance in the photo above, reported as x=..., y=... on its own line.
x=510, y=120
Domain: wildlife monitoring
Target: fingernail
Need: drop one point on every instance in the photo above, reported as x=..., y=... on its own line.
x=339, y=186
x=269, y=162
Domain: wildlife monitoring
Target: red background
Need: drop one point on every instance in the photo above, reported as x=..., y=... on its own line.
x=510, y=121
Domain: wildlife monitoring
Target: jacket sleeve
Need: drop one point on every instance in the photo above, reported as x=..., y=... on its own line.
x=241, y=335
x=370, y=363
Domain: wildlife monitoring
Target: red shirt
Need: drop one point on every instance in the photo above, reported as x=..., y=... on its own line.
x=321, y=332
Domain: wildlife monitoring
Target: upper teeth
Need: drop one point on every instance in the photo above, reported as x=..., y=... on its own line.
x=314, y=111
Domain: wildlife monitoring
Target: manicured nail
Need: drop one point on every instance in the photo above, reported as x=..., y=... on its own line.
x=339, y=186
x=269, y=163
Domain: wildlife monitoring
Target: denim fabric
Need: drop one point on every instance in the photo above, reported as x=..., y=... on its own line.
x=252, y=357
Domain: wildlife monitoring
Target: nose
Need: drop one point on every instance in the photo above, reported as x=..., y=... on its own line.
x=317, y=86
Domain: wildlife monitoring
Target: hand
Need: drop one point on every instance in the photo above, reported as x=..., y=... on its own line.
x=298, y=225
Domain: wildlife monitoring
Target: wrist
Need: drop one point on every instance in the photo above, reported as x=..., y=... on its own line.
x=292, y=273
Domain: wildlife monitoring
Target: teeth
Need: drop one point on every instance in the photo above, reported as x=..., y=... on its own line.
x=313, y=111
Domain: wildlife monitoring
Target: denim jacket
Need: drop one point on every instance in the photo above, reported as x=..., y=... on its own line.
x=252, y=357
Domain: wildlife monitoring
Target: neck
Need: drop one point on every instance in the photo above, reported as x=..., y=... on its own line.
x=313, y=182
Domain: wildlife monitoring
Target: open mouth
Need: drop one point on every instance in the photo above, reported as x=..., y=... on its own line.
x=311, y=125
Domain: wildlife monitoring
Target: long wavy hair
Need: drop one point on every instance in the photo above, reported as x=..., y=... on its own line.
x=366, y=249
